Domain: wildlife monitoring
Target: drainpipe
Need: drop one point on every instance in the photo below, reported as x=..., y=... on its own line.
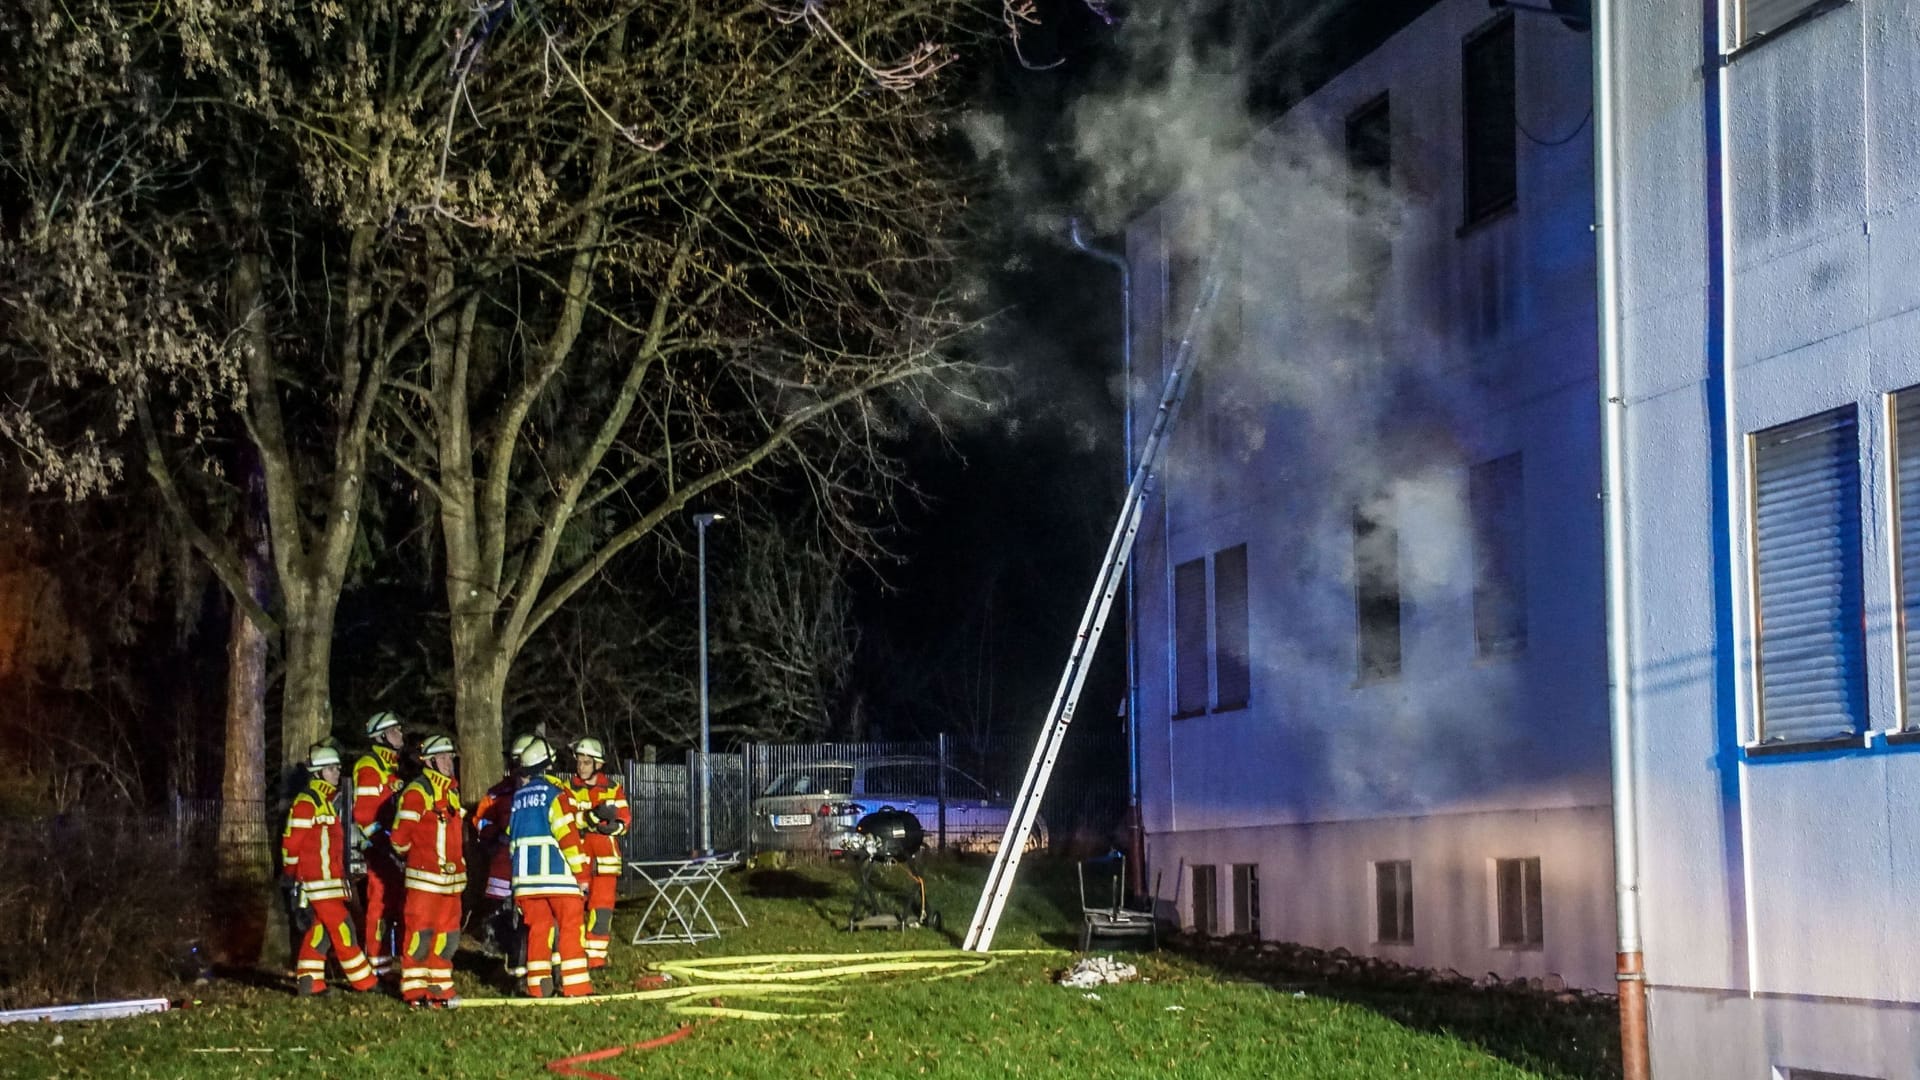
x=1630, y=972
x=1136, y=849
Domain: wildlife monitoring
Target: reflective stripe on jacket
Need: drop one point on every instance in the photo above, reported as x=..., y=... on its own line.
x=376, y=783
x=429, y=830
x=313, y=844
x=547, y=860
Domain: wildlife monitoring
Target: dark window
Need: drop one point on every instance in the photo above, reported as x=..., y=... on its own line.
x=1190, y=638
x=1393, y=902
x=1206, y=905
x=1820, y=1074
x=1759, y=17
x=1246, y=899
x=815, y=780
x=909, y=778
x=1906, y=427
x=1487, y=63
x=1499, y=568
x=1807, y=560
x=1376, y=589
x=1520, y=909
x=1230, y=627
x=1370, y=170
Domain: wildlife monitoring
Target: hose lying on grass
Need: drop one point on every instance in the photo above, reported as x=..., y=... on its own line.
x=774, y=978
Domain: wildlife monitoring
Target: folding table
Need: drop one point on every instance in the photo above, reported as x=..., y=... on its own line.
x=681, y=888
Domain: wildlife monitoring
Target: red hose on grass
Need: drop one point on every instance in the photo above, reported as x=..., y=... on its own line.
x=567, y=1066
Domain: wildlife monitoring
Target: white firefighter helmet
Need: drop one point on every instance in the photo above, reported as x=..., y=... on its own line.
x=589, y=748
x=438, y=744
x=535, y=755
x=520, y=742
x=381, y=721
x=322, y=756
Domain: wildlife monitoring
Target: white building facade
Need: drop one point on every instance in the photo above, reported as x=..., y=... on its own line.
x=1769, y=209
x=1371, y=703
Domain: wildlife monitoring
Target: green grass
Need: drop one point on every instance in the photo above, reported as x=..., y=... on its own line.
x=1185, y=1019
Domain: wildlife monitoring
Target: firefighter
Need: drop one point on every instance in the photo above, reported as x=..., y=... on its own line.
x=313, y=850
x=497, y=912
x=549, y=877
x=376, y=788
x=429, y=833
x=603, y=816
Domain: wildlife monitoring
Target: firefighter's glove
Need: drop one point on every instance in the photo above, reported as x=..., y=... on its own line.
x=606, y=820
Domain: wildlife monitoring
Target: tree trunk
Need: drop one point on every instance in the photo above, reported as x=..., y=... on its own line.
x=243, y=866
x=306, y=701
x=479, y=686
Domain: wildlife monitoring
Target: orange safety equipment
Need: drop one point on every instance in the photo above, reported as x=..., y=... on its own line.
x=602, y=816
x=313, y=852
x=549, y=877
x=376, y=787
x=429, y=833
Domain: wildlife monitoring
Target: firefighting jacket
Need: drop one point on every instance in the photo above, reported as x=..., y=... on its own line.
x=429, y=833
x=490, y=827
x=376, y=783
x=589, y=795
x=547, y=860
x=313, y=847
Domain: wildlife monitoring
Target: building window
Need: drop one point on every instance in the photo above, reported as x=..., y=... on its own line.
x=1783, y=1073
x=1190, y=659
x=1487, y=66
x=1759, y=18
x=1393, y=902
x=1246, y=899
x=1211, y=674
x=1232, y=674
x=1499, y=557
x=1376, y=589
x=1517, y=895
x=1906, y=457
x=1370, y=170
x=1806, y=536
x=1206, y=905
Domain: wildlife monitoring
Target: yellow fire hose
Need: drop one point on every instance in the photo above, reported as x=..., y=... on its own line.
x=776, y=977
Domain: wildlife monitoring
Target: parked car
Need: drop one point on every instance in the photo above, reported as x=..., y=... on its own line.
x=814, y=807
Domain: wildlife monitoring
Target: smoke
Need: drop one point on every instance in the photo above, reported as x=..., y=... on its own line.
x=1333, y=393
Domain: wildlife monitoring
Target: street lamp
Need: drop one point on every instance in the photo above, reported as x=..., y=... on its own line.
x=700, y=523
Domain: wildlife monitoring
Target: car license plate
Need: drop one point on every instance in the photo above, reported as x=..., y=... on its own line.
x=782, y=821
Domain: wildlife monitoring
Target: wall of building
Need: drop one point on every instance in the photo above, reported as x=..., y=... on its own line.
x=1774, y=886
x=1480, y=343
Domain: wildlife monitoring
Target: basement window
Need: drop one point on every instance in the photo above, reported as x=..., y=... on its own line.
x=1206, y=900
x=1806, y=563
x=1393, y=902
x=1520, y=910
x=1756, y=19
x=1246, y=899
x=1905, y=407
x=1784, y=1073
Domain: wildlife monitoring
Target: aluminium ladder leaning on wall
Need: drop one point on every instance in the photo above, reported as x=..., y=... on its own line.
x=1026, y=806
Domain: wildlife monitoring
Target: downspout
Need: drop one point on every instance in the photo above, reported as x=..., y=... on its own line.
x=1136, y=848
x=1630, y=973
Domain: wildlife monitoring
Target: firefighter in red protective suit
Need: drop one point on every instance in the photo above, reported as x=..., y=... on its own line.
x=429, y=833
x=313, y=855
x=376, y=789
x=603, y=816
x=496, y=913
x=549, y=878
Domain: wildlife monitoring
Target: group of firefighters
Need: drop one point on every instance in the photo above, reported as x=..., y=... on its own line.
x=400, y=846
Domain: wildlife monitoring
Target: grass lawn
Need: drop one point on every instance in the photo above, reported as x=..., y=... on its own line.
x=1185, y=1019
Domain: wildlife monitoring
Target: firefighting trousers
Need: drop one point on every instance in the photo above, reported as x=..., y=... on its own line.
x=386, y=893
x=554, y=925
x=432, y=924
x=600, y=896
x=331, y=934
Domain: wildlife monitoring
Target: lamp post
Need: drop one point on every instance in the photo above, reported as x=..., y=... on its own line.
x=700, y=523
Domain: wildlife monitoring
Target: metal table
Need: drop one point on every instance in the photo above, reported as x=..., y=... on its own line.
x=681, y=892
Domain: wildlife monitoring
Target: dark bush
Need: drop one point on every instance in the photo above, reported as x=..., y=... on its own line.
x=97, y=907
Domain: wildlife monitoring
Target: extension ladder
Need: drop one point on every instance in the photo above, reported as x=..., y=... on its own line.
x=1026, y=806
